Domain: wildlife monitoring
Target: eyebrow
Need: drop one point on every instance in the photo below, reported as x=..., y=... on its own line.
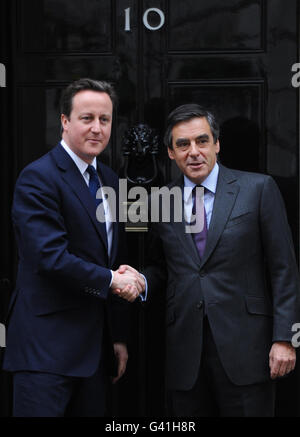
x=203, y=137
x=91, y=113
x=183, y=140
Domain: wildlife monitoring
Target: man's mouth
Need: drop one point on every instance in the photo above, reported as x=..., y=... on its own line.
x=196, y=164
x=94, y=140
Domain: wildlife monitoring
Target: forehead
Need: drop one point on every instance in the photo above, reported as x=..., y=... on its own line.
x=191, y=128
x=92, y=101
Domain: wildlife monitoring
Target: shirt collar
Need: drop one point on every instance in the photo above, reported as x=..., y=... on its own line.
x=210, y=183
x=82, y=165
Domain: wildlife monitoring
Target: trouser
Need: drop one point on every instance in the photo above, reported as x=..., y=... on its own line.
x=37, y=394
x=214, y=395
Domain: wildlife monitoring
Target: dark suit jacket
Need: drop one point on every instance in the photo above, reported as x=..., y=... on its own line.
x=61, y=305
x=248, y=235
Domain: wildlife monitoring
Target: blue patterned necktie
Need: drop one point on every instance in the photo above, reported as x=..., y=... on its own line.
x=94, y=183
x=199, y=237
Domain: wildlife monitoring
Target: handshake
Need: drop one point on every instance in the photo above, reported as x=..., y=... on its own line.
x=127, y=283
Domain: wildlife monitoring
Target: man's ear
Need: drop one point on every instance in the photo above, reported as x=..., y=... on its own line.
x=171, y=153
x=217, y=145
x=64, y=120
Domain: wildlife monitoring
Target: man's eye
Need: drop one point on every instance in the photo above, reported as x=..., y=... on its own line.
x=201, y=140
x=183, y=144
x=105, y=120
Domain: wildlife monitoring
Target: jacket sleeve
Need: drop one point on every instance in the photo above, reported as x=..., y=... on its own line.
x=121, y=310
x=43, y=239
x=155, y=269
x=280, y=260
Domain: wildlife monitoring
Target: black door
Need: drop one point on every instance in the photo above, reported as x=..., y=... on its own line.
x=235, y=56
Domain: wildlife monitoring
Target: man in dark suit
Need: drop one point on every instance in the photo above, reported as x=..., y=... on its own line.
x=65, y=325
x=228, y=323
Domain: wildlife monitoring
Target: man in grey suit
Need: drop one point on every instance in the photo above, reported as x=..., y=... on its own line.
x=232, y=290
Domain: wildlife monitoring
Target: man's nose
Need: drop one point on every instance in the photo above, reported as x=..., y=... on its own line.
x=194, y=149
x=96, y=126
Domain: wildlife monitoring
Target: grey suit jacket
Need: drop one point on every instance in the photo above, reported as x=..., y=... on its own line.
x=247, y=281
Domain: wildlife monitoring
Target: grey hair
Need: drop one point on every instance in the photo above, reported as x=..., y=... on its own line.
x=185, y=113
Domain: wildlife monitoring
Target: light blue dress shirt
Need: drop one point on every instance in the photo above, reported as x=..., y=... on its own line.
x=210, y=183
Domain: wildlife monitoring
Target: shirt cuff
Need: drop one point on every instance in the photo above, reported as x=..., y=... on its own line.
x=112, y=277
x=143, y=296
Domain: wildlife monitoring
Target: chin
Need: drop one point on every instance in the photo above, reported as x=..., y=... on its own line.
x=93, y=153
x=197, y=176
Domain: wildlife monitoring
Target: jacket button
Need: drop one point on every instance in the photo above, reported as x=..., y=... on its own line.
x=199, y=305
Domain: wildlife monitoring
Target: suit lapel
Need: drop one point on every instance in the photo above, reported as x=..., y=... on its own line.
x=185, y=238
x=188, y=245
x=226, y=193
x=74, y=179
x=115, y=227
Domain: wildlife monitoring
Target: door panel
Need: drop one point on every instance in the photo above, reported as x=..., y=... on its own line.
x=61, y=26
x=212, y=26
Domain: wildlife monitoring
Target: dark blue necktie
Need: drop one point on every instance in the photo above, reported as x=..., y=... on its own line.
x=199, y=237
x=94, y=183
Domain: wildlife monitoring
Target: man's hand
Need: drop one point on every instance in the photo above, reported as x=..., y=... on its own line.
x=282, y=359
x=122, y=357
x=128, y=283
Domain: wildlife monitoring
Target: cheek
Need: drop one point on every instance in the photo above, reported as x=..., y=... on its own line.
x=209, y=157
x=181, y=162
x=80, y=132
x=108, y=131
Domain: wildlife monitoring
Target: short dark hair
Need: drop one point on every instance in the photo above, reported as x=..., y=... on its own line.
x=185, y=113
x=66, y=101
